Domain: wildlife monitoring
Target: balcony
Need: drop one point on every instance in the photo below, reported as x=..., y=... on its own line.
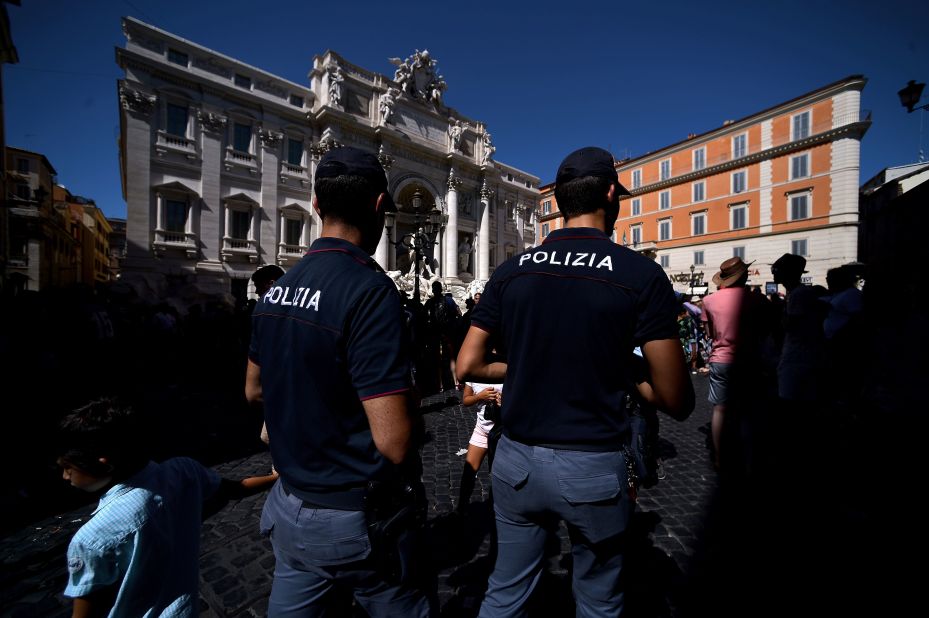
x=240, y=247
x=166, y=142
x=236, y=159
x=287, y=254
x=168, y=241
x=294, y=172
x=818, y=133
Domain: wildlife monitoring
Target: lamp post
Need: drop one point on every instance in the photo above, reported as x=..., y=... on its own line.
x=910, y=94
x=427, y=226
x=909, y=97
x=691, y=280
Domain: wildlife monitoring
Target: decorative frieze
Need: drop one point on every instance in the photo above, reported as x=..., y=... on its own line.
x=211, y=122
x=212, y=65
x=270, y=139
x=137, y=101
x=271, y=87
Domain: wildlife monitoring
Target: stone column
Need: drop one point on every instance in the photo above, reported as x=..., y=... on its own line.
x=267, y=214
x=212, y=128
x=381, y=253
x=451, y=230
x=138, y=107
x=159, y=212
x=483, y=264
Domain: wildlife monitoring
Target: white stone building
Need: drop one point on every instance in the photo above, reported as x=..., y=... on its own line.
x=217, y=160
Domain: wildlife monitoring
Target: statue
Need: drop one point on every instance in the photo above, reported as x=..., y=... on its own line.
x=488, y=150
x=464, y=253
x=455, y=130
x=335, y=86
x=417, y=77
x=386, y=104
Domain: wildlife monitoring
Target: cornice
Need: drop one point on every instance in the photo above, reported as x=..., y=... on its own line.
x=854, y=129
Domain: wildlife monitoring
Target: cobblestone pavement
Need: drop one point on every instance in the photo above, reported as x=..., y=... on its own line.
x=682, y=542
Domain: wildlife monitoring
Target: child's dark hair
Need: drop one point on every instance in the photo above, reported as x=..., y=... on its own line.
x=103, y=429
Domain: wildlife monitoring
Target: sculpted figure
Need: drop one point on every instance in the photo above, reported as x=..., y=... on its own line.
x=386, y=104
x=455, y=130
x=489, y=150
x=335, y=86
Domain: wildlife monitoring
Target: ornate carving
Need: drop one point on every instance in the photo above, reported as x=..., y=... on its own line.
x=270, y=139
x=418, y=78
x=137, y=101
x=485, y=192
x=386, y=160
x=212, y=122
x=326, y=143
x=454, y=182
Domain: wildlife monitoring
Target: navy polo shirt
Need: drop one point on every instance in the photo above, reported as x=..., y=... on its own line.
x=568, y=314
x=329, y=335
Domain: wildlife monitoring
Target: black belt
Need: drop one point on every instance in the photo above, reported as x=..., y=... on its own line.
x=345, y=500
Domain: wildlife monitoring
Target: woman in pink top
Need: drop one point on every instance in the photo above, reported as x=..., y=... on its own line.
x=735, y=320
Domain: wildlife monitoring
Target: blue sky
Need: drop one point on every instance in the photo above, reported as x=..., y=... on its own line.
x=546, y=77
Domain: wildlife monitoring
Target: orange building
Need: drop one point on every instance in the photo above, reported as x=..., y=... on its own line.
x=783, y=180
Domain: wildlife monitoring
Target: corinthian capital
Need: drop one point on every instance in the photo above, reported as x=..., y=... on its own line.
x=137, y=101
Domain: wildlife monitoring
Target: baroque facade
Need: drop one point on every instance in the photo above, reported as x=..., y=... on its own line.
x=217, y=159
x=783, y=180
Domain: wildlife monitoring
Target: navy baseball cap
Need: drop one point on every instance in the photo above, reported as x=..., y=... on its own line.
x=348, y=161
x=589, y=161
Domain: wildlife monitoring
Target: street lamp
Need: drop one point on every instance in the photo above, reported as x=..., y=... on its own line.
x=691, y=280
x=910, y=94
x=427, y=226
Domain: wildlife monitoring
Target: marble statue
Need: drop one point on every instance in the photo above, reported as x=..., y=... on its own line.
x=386, y=103
x=489, y=150
x=335, y=86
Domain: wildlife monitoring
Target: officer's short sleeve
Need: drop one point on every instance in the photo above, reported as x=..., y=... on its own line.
x=656, y=311
x=377, y=346
x=90, y=568
x=486, y=314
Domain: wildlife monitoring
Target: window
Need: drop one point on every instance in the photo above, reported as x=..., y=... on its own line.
x=698, y=258
x=544, y=230
x=239, y=224
x=296, y=101
x=800, y=206
x=547, y=207
x=698, y=224
x=738, y=182
x=243, y=81
x=799, y=247
x=636, y=179
x=800, y=166
x=665, y=169
x=176, y=123
x=293, y=231
x=665, y=261
x=175, y=216
x=800, y=125
x=636, y=207
x=22, y=166
x=23, y=192
x=739, y=146
x=509, y=177
x=241, y=137
x=511, y=213
x=738, y=217
x=636, y=234
x=739, y=252
x=699, y=191
x=664, y=229
x=664, y=200
x=177, y=57
x=699, y=158
x=295, y=152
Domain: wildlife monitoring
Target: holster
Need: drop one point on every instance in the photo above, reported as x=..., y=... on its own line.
x=395, y=513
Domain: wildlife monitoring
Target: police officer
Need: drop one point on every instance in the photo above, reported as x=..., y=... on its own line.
x=568, y=314
x=329, y=361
